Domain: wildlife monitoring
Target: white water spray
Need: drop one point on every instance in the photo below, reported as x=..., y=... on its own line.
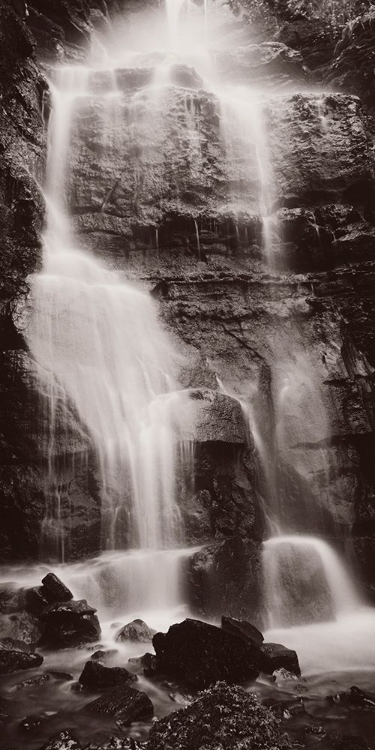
x=102, y=352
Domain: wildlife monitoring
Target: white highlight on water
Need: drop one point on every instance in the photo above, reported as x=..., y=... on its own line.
x=102, y=352
x=276, y=550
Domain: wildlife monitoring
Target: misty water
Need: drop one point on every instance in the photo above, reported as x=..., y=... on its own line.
x=103, y=354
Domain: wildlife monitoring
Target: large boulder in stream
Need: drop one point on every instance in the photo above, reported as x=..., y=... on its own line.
x=97, y=677
x=200, y=654
x=275, y=656
x=224, y=717
x=70, y=625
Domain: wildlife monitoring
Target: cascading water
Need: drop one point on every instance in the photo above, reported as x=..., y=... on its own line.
x=101, y=350
x=103, y=354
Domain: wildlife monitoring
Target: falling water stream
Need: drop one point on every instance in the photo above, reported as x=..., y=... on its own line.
x=106, y=362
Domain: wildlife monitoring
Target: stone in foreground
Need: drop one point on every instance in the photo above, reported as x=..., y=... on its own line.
x=275, y=656
x=201, y=654
x=15, y=661
x=97, y=677
x=137, y=630
x=55, y=590
x=243, y=629
x=224, y=717
x=125, y=705
x=70, y=624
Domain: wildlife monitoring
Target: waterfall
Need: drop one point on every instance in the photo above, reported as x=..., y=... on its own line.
x=304, y=581
x=102, y=352
x=106, y=362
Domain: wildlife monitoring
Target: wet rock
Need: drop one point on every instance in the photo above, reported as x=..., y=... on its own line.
x=118, y=743
x=103, y=655
x=360, y=697
x=284, y=675
x=124, y=704
x=36, y=600
x=15, y=661
x=137, y=630
x=355, y=697
x=21, y=626
x=225, y=717
x=62, y=741
x=274, y=656
x=70, y=625
x=200, y=654
x=36, y=681
x=55, y=590
x=96, y=677
x=10, y=644
x=271, y=64
x=147, y=661
x=351, y=69
x=242, y=629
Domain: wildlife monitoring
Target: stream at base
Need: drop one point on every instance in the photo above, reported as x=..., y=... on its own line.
x=333, y=656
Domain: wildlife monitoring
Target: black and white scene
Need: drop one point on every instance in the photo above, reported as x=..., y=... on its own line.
x=187, y=375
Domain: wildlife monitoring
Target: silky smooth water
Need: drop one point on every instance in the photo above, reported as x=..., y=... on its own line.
x=104, y=357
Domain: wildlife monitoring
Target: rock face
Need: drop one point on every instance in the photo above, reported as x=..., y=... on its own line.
x=225, y=717
x=200, y=654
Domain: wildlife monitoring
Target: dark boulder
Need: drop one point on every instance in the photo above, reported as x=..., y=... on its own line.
x=55, y=590
x=224, y=717
x=96, y=677
x=275, y=656
x=137, y=630
x=242, y=629
x=70, y=625
x=125, y=705
x=201, y=654
x=36, y=600
x=15, y=661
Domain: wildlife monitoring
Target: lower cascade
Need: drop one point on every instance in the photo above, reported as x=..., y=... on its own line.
x=187, y=476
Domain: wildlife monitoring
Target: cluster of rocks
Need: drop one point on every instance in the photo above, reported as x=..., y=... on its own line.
x=192, y=656
x=44, y=616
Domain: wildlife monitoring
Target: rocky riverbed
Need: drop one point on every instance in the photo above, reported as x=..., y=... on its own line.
x=63, y=680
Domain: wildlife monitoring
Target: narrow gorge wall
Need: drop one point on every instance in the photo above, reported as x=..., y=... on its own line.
x=168, y=218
